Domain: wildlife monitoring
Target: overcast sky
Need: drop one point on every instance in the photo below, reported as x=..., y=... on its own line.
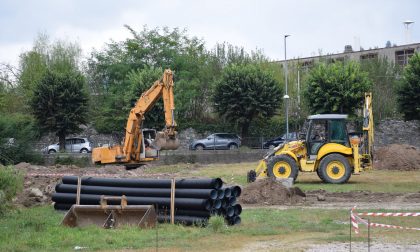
x=314, y=25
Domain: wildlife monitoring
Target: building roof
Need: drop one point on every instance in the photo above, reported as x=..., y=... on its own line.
x=327, y=116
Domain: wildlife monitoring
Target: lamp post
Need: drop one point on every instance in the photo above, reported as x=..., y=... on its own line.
x=286, y=96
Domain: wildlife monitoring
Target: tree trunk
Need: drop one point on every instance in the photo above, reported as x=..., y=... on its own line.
x=62, y=141
x=244, y=130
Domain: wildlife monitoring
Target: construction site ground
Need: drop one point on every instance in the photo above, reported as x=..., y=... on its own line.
x=282, y=220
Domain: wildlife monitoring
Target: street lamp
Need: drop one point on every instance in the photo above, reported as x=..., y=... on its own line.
x=286, y=96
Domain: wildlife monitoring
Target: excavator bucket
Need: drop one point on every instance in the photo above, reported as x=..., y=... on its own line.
x=165, y=142
x=111, y=216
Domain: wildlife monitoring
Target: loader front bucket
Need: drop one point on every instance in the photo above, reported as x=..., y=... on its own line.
x=110, y=216
x=165, y=142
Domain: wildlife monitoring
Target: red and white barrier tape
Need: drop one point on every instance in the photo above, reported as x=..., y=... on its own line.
x=390, y=214
x=355, y=220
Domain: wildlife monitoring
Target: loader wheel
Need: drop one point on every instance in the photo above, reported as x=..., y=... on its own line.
x=283, y=167
x=334, y=169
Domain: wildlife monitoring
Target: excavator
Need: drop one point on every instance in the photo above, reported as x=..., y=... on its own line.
x=326, y=148
x=143, y=145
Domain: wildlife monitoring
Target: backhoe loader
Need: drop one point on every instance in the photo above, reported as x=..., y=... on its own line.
x=326, y=148
x=141, y=145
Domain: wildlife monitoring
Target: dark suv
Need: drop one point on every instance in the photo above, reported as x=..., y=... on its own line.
x=270, y=144
x=217, y=141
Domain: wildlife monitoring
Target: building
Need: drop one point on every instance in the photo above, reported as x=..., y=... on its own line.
x=395, y=54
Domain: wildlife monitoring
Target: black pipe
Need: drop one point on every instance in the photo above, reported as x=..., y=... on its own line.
x=225, y=203
x=232, y=200
x=184, y=212
x=62, y=207
x=220, y=194
x=185, y=220
x=90, y=199
x=234, y=220
x=139, y=192
x=228, y=211
x=236, y=191
x=228, y=191
x=237, y=208
x=216, y=204
x=215, y=183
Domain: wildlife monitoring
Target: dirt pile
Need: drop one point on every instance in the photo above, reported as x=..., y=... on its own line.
x=399, y=157
x=271, y=192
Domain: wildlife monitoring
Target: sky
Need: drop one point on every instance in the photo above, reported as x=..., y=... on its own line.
x=315, y=26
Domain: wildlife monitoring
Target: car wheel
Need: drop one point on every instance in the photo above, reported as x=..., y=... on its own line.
x=51, y=151
x=233, y=146
x=84, y=151
x=199, y=147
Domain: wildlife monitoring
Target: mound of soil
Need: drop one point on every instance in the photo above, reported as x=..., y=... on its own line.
x=399, y=157
x=271, y=192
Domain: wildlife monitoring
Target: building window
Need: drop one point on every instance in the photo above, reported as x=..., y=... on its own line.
x=402, y=56
x=369, y=56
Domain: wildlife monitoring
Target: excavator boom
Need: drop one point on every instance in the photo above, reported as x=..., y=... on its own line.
x=136, y=149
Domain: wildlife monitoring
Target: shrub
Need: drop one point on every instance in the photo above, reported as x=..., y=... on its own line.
x=217, y=224
x=11, y=182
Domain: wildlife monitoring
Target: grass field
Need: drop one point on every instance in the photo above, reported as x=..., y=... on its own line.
x=39, y=229
x=374, y=181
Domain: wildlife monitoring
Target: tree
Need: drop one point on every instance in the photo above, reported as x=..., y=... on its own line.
x=60, y=103
x=384, y=77
x=246, y=92
x=336, y=88
x=409, y=90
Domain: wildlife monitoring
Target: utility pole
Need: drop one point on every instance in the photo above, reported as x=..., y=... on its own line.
x=286, y=96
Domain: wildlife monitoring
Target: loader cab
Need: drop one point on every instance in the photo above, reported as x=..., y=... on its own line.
x=323, y=129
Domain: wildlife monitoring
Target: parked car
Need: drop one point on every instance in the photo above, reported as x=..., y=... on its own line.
x=75, y=144
x=218, y=141
x=270, y=144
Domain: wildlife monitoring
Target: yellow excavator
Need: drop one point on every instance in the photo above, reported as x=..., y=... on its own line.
x=326, y=148
x=143, y=145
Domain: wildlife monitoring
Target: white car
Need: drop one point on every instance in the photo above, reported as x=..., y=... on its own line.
x=80, y=145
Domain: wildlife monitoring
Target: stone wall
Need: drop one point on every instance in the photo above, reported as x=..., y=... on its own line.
x=397, y=132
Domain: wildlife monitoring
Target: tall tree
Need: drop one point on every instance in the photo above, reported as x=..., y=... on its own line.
x=409, y=90
x=336, y=88
x=60, y=103
x=384, y=76
x=246, y=92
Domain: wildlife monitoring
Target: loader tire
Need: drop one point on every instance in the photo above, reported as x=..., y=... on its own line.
x=334, y=169
x=282, y=167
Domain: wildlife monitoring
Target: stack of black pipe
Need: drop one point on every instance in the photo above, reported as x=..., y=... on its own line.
x=195, y=199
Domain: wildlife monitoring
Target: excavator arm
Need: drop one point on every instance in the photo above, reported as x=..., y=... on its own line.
x=133, y=146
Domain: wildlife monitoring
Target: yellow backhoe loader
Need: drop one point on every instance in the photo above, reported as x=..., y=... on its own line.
x=141, y=145
x=326, y=148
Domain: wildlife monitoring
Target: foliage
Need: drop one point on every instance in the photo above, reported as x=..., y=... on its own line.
x=59, y=56
x=246, y=92
x=140, y=81
x=11, y=182
x=17, y=133
x=217, y=224
x=384, y=76
x=69, y=160
x=336, y=88
x=60, y=103
x=409, y=91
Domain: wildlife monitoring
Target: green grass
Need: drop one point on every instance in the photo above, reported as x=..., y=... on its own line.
x=39, y=229
x=374, y=181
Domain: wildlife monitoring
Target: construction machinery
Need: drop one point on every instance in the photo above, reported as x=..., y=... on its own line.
x=141, y=145
x=326, y=148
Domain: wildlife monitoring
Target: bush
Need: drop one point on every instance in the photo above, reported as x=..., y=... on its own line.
x=17, y=133
x=68, y=160
x=11, y=182
x=217, y=224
